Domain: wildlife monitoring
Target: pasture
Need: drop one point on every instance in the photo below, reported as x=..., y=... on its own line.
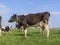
x=34, y=38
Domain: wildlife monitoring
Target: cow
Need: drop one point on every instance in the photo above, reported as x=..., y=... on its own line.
x=32, y=19
x=5, y=29
x=0, y=24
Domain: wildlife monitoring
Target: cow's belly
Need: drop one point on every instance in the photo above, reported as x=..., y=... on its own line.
x=32, y=22
x=36, y=24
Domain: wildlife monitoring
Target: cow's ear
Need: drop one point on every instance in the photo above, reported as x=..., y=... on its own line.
x=14, y=15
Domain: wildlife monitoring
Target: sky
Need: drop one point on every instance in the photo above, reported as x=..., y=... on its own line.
x=10, y=7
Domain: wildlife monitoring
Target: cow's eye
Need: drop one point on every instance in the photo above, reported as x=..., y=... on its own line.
x=12, y=16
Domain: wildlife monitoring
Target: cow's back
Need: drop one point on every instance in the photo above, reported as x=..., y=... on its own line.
x=32, y=19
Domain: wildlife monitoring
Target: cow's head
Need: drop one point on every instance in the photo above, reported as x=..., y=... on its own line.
x=13, y=18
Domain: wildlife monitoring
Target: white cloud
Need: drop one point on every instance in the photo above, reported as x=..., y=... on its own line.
x=4, y=9
x=55, y=12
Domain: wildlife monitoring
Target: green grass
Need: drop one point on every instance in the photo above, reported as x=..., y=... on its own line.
x=34, y=38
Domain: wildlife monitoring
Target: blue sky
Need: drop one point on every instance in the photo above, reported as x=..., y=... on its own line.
x=8, y=7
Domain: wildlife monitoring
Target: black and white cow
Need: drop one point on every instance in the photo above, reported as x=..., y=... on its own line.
x=5, y=29
x=32, y=19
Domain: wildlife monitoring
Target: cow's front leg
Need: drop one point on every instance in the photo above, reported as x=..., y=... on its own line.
x=24, y=24
x=25, y=30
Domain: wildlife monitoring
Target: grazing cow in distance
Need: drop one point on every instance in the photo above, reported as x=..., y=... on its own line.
x=0, y=24
x=32, y=19
x=5, y=29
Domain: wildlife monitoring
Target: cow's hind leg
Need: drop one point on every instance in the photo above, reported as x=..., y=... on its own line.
x=41, y=27
x=42, y=30
x=46, y=30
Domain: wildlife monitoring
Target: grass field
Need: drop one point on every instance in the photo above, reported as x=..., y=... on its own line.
x=34, y=38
